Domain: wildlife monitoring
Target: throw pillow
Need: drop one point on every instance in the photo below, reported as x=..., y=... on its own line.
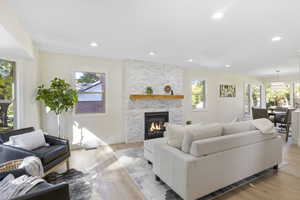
x=174, y=135
x=29, y=141
x=199, y=132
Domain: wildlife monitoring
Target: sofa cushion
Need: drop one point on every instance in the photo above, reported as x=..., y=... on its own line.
x=198, y=132
x=175, y=135
x=28, y=141
x=237, y=127
x=50, y=153
x=223, y=143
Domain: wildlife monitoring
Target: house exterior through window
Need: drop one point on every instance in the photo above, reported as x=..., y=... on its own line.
x=91, y=92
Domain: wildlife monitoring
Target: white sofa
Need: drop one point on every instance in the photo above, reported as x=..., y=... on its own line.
x=216, y=162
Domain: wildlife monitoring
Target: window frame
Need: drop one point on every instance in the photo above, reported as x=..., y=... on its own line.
x=105, y=93
x=205, y=96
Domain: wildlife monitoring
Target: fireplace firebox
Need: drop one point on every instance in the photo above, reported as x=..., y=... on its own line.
x=155, y=124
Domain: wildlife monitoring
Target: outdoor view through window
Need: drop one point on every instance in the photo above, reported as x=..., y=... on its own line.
x=278, y=94
x=7, y=110
x=91, y=92
x=198, y=94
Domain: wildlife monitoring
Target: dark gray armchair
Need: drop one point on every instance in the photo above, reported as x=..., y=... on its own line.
x=57, y=152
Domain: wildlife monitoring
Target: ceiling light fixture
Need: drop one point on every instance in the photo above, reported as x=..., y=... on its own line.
x=94, y=44
x=152, y=53
x=190, y=60
x=276, y=38
x=227, y=66
x=217, y=15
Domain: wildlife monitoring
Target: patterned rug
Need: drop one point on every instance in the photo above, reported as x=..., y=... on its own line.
x=141, y=172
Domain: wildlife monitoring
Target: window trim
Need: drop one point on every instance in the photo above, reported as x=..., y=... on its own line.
x=205, y=109
x=105, y=93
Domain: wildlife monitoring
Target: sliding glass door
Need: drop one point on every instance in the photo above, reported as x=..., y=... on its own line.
x=7, y=95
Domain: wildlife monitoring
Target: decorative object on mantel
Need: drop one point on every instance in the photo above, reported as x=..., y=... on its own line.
x=149, y=90
x=188, y=122
x=154, y=96
x=59, y=98
x=227, y=90
x=168, y=89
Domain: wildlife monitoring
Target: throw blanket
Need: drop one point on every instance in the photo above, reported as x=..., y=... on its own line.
x=11, y=187
x=33, y=166
x=264, y=125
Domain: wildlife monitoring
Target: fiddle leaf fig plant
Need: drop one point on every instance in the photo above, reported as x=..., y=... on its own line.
x=59, y=97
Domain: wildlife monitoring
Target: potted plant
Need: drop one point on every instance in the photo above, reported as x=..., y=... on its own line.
x=59, y=97
x=149, y=90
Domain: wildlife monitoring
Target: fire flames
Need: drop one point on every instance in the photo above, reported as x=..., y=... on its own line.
x=155, y=127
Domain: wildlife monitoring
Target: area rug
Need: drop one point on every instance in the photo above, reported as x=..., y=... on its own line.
x=141, y=172
x=80, y=186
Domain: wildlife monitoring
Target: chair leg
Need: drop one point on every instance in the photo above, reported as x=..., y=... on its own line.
x=68, y=165
x=287, y=132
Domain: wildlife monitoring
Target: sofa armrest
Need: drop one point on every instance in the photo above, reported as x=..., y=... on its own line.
x=57, y=192
x=171, y=165
x=52, y=140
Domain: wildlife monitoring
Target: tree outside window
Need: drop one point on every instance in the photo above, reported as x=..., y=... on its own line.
x=198, y=94
x=297, y=94
x=7, y=110
x=91, y=92
x=278, y=95
x=256, y=95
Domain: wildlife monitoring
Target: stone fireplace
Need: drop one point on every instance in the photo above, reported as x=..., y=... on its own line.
x=155, y=124
x=137, y=76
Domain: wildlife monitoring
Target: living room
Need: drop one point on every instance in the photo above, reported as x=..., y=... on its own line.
x=121, y=98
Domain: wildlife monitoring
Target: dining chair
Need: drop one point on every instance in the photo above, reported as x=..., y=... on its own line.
x=258, y=113
x=286, y=121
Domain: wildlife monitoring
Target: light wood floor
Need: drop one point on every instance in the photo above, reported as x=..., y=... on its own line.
x=284, y=185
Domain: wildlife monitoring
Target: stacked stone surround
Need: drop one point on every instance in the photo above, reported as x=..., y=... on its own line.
x=137, y=76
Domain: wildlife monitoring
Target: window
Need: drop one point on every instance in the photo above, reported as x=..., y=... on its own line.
x=91, y=92
x=198, y=94
x=278, y=94
x=256, y=95
x=7, y=96
x=247, y=100
x=297, y=94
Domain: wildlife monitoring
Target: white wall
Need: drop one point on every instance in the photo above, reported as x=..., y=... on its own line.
x=108, y=127
x=97, y=127
x=218, y=109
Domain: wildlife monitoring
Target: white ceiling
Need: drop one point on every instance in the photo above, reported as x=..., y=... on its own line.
x=9, y=47
x=177, y=30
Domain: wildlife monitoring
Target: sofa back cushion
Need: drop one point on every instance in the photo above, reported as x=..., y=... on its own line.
x=174, y=135
x=219, y=144
x=198, y=132
x=238, y=127
x=29, y=141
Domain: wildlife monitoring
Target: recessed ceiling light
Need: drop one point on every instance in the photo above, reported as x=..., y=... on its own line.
x=190, y=60
x=94, y=44
x=152, y=53
x=217, y=15
x=227, y=66
x=276, y=38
